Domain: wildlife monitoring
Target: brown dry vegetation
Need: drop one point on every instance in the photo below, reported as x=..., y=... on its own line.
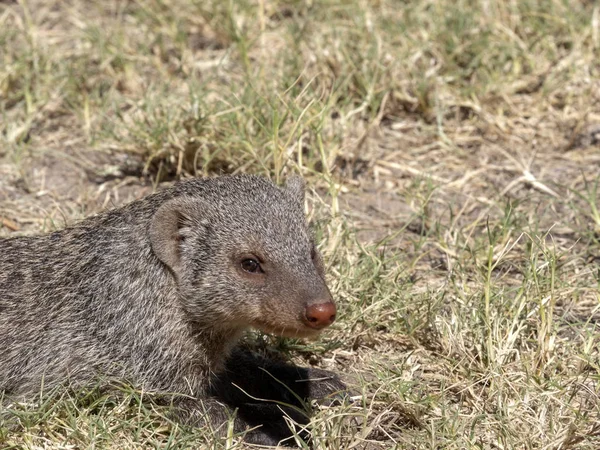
x=454, y=152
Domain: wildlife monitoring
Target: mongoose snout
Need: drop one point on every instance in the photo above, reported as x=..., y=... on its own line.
x=321, y=315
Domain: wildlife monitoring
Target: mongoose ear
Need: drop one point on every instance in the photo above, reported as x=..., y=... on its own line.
x=295, y=185
x=167, y=232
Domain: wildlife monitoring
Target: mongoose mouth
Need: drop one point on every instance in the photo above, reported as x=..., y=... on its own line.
x=302, y=331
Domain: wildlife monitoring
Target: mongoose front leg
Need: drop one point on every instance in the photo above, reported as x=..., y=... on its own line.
x=267, y=393
x=260, y=424
x=248, y=378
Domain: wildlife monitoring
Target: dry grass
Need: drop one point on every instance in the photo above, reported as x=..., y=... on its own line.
x=454, y=151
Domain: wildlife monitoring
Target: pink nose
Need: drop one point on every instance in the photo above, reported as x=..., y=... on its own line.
x=321, y=315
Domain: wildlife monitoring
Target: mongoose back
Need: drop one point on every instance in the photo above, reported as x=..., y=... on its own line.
x=157, y=292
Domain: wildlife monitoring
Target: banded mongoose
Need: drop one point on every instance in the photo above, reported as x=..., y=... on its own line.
x=157, y=292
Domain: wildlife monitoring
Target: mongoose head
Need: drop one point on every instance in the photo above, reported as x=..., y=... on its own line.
x=241, y=254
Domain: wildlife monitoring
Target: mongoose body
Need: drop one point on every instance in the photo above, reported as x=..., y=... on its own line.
x=157, y=293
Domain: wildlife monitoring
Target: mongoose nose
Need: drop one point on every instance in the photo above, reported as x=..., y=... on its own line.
x=321, y=315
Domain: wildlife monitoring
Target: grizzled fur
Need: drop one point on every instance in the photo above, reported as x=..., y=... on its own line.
x=152, y=293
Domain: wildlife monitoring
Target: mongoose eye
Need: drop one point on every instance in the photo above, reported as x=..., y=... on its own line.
x=313, y=252
x=251, y=265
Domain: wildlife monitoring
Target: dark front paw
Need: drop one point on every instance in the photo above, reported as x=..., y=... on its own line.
x=266, y=424
x=325, y=387
x=273, y=424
